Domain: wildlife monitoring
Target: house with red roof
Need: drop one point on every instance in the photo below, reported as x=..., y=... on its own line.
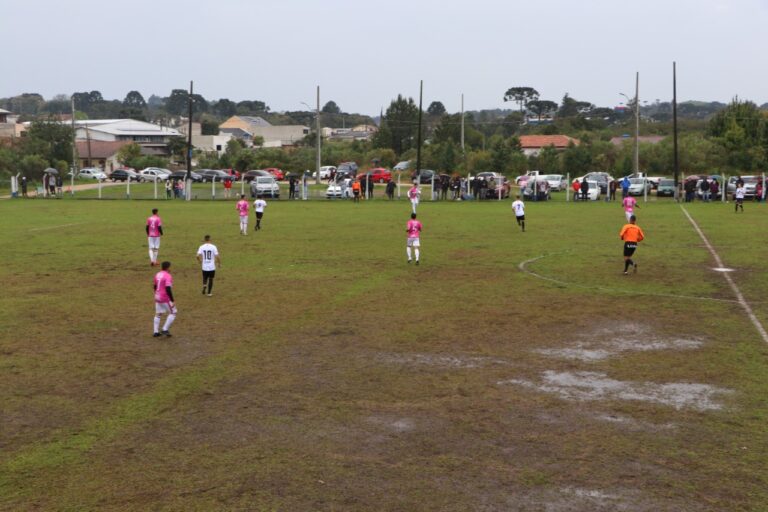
x=533, y=144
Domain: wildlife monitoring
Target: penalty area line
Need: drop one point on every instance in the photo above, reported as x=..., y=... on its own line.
x=739, y=297
x=46, y=228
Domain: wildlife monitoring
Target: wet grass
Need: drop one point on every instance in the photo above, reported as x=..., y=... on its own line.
x=326, y=374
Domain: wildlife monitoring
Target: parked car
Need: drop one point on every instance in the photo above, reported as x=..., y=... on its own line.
x=208, y=175
x=276, y=173
x=402, y=166
x=378, y=175
x=250, y=175
x=124, y=175
x=265, y=186
x=556, y=182
x=527, y=188
x=666, y=188
x=325, y=172
x=638, y=186
x=182, y=175
x=341, y=188
x=349, y=167
x=154, y=173
x=90, y=173
x=750, y=185
x=425, y=176
x=487, y=175
x=520, y=180
x=593, y=193
x=602, y=179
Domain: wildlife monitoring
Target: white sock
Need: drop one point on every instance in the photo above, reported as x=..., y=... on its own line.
x=169, y=321
x=408, y=251
x=151, y=255
x=417, y=253
x=157, y=323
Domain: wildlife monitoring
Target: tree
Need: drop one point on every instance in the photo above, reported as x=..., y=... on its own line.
x=400, y=125
x=548, y=160
x=49, y=140
x=570, y=107
x=576, y=159
x=436, y=108
x=247, y=108
x=521, y=95
x=176, y=103
x=740, y=129
x=258, y=141
x=331, y=108
x=541, y=107
x=209, y=126
x=129, y=154
x=135, y=100
x=225, y=108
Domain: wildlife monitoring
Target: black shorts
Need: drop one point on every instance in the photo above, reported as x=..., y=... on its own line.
x=259, y=215
x=520, y=218
x=208, y=274
x=739, y=200
x=629, y=248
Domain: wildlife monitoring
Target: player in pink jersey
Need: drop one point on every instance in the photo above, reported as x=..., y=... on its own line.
x=629, y=203
x=414, y=231
x=164, y=303
x=414, y=194
x=154, y=229
x=242, y=209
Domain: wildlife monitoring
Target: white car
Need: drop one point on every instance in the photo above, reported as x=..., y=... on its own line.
x=91, y=173
x=402, y=166
x=325, y=172
x=340, y=190
x=265, y=186
x=638, y=186
x=556, y=182
x=154, y=173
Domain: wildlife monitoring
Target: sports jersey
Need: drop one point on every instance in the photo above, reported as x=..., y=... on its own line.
x=154, y=223
x=259, y=205
x=629, y=203
x=414, y=193
x=413, y=228
x=631, y=233
x=519, y=208
x=740, y=193
x=162, y=280
x=242, y=207
x=208, y=253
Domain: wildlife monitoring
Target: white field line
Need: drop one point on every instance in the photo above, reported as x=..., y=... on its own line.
x=57, y=227
x=523, y=267
x=727, y=276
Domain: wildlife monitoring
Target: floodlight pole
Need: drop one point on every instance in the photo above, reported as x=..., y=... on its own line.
x=637, y=123
x=674, y=131
x=188, y=180
x=418, y=135
x=74, y=149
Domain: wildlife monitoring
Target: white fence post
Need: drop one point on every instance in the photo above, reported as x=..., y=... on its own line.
x=155, y=185
x=128, y=188
x=568, y=187
x=398, y=184
x=213, y=187
x=99, y=189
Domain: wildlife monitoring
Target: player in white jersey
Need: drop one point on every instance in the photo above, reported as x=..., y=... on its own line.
x=519, y=207
x=258, y=207
x=739, y=195
x=208, y=256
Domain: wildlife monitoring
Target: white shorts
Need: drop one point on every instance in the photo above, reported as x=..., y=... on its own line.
x=154, y=242
x=413, y=242
x=244, y=218
x=162, y=308
x=628, y=215
x=415, y=201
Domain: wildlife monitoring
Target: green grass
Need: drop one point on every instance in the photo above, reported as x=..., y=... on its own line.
x=326, y=374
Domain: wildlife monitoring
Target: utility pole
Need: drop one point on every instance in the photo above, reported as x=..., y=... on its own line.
x=418, y=136
x=674, y=128
x=463, y=152
x=637, y=122
x=188, y=180
x=319, y=139
x=74, y=148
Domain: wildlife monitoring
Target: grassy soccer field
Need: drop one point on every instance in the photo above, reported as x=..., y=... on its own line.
x=509, y=371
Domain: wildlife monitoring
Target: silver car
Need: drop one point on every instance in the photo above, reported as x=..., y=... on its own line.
x=263, y=186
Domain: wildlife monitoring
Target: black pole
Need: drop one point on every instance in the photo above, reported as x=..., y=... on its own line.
x=189, y=134
x=418, y=138
x=674, y=126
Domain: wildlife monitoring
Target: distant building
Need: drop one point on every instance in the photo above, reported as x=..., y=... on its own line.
x=9, y=128
x=151, y=137
x=207, y=143
x=246, y=128
x=533, y=144
x=648, y=139
x=359, y=132
x=99, y=153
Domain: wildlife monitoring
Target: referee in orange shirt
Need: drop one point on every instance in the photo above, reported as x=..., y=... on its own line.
x=632, y=235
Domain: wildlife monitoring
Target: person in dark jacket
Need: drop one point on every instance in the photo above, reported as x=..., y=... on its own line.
x=585, y=189
x=390, y=190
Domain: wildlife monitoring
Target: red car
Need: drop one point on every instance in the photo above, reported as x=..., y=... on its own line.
x=277, y=173
x=378, y=175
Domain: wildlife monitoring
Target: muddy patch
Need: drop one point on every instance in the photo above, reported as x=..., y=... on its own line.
x=595, y=386
x=441, y=361
x=607, y=342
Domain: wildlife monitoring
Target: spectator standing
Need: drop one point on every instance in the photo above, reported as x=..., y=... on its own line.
x=292, y=188
x=759, y=191
x=576, y=190
x=168, y=187
x=391, y=190
x=369, y=187
x=59, y=185
x=704, y=187
x=585, y=189
x=356, y=191
x=227, y=187
x=714, y=188
x=624, y=187
x=612, y=190
x=24, y=186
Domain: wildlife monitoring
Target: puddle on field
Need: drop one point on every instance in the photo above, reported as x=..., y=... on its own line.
x=593, y=386
x=442, y=361
x=571, y=499
x=606, y=342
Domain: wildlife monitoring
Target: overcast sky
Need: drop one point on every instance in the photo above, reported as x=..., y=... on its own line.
x=363, y=53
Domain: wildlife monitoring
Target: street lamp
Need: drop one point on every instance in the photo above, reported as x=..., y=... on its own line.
x=319, y=135
x=633, y=103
